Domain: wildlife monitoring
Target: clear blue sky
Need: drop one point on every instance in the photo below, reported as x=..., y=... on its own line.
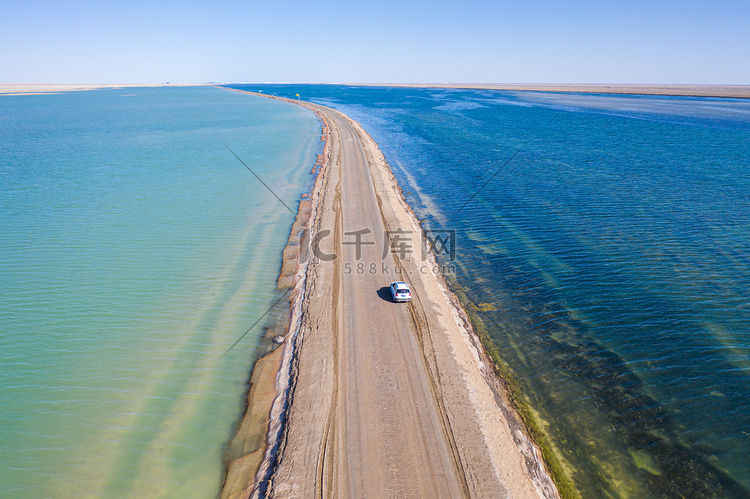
x=524, y=41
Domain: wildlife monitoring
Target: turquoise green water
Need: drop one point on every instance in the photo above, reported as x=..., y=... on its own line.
x=134, y=250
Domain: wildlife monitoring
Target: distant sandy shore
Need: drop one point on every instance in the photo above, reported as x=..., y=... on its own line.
x=734, y=91
x=42, y=89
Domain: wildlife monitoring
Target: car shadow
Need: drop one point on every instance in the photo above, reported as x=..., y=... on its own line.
x=385, y=294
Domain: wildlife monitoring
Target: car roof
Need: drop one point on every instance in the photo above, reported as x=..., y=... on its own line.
x=400, y=284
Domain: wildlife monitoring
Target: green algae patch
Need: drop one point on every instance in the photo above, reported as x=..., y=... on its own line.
x=482, y=307
x=533, y=423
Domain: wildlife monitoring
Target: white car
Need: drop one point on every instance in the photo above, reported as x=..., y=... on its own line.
x=400, y=291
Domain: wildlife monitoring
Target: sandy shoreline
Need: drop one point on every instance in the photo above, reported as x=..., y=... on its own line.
x=727, y=91
x=493, y=451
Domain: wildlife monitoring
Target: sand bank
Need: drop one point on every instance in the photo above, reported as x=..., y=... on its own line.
x=733, y=91
x=337, y=424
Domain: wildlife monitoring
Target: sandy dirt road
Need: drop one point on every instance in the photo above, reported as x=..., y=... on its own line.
x=392, y=437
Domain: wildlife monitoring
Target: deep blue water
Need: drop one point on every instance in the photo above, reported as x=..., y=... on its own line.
x=608, y=257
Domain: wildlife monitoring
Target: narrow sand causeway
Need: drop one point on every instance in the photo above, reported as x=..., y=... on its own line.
x=384, y=399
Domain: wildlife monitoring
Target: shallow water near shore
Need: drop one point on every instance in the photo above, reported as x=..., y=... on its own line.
x=134, y=251
x=602, y=242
